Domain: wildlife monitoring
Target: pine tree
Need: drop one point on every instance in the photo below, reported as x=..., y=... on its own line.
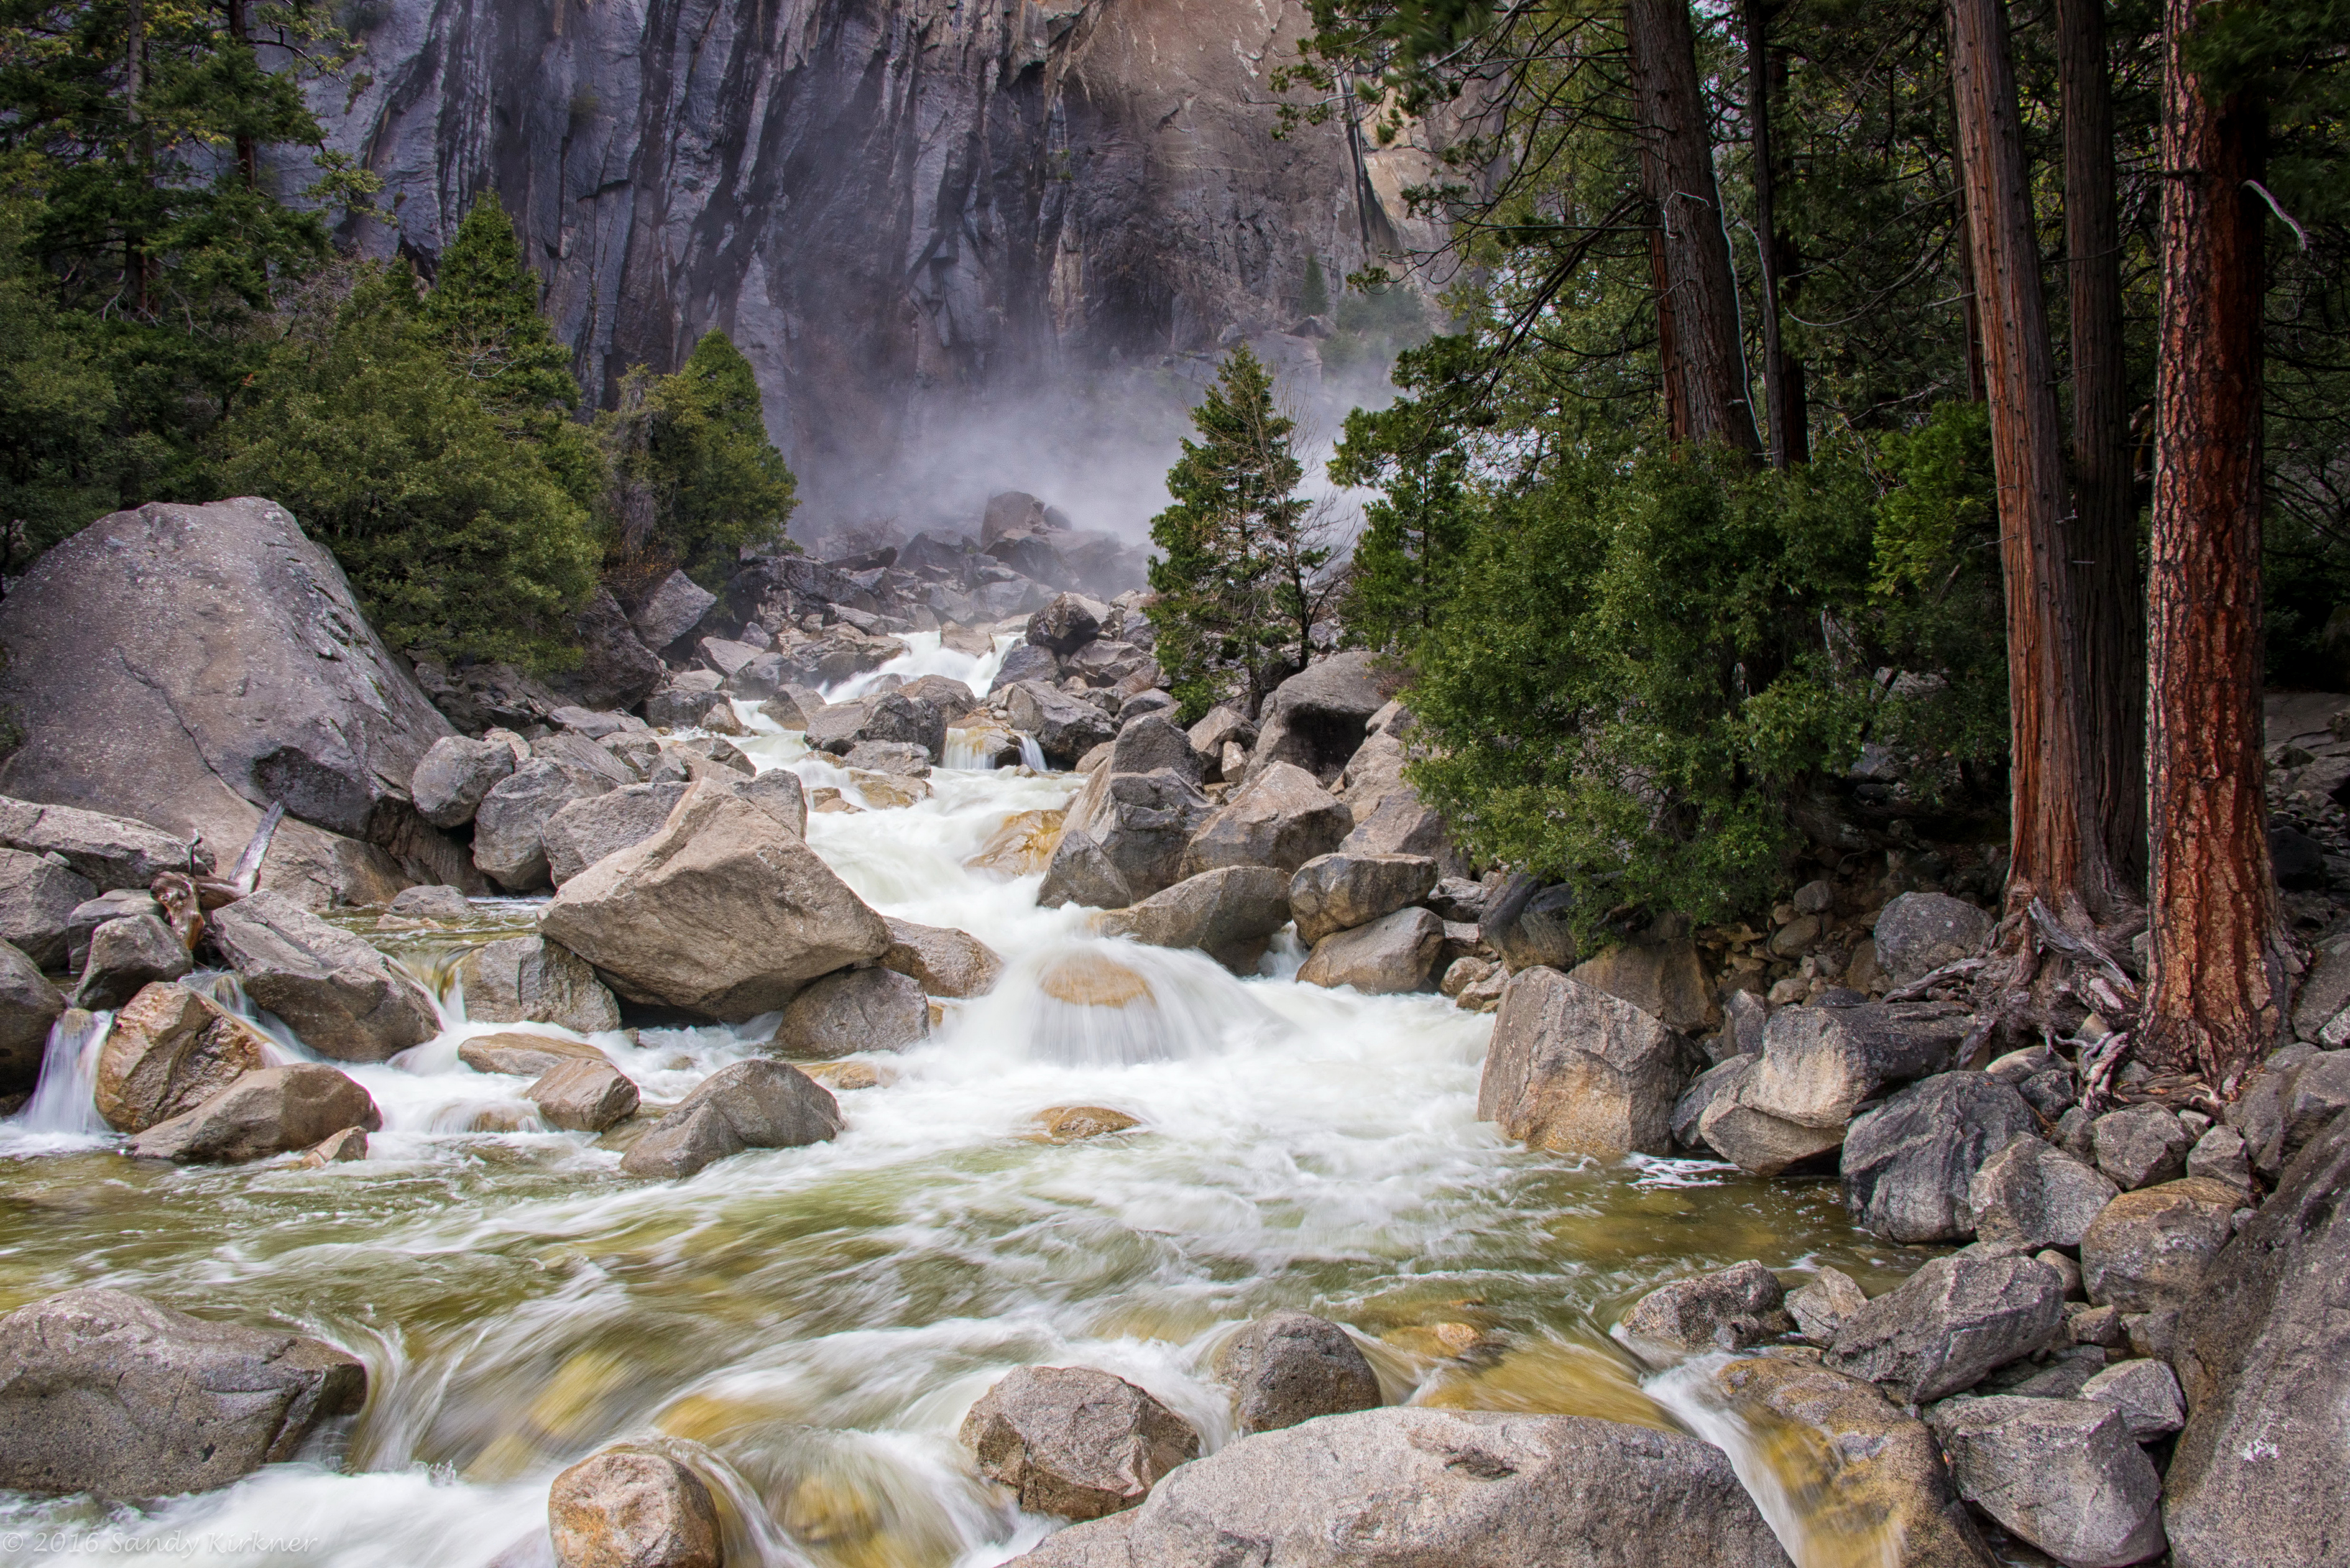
x=1407, y=560
x=1239, y=574
x=484, y=311
x=695, y=479
x=1314, y=299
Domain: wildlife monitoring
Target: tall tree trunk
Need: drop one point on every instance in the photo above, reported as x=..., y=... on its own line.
x=2113, y=618
x=2217, y=1001
x=2059, y=850
x=1779, y=398
x=1704, y=362
x=1969, y=299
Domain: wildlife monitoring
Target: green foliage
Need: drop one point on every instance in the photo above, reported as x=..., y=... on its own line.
x=1407, y=560
x=483, y=312
x=57, y=404
x=1237, y=573
x=1314, y=299
x=459, y=539
x=696, y=480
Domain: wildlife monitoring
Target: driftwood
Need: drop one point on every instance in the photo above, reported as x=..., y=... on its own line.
x=185, y=897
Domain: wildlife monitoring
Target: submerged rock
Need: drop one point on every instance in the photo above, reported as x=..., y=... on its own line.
x=621, y=1509
x=269, y=1111
x=1576, y=1070
x=758, y=1104
x=345, y=1000
x=1076, y=1442
x=1291, y=1368
x=169, y=1051
x=524, y=1056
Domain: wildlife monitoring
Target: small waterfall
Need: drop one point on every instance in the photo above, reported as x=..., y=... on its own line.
x=1031, y=755
x=65, y=1102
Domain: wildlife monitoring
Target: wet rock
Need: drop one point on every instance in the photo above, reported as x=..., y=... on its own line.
x=725, y=911
x=1529, y=924
x=1882, y=1478
x=1279, y=818
x=678, y=707
x=1822, y=1306
x=888, y=718
x=1317, y=718
x=111, y=853
x=1079, y=871
x=584, y=831
x=2062, y=1474
x=1291, y=1368
x=2146, y=1251
x=1955, y=1319
x=345, y=1147
x=1578, y=1071
x=1819, y=1065
x=757, y=1104
x=531, y=980
x=30, y=1005
x=854, y=1010
x=1065, y=728
x=343, y=999
x=171, y=1050
x=1338, y=892
x=1074, y=1442
x=103, y=1392
x=508, y=828
x=1075, y=1123
x=2140, y=1145
x=524, y=1056
x=943, y=962
x=2147, y=1394
x=1139, y=808
x=269, y=1111
x=2035, y=1195
x=38, y=900
x=1391, y=956
x=435, y=903
x=2218, y=1155
x=623, y=1508
x=1909, y=1164
x=674, y=607
x=1689, y=1111
x=1065, y=625
x=1230, y=915
x=456, y=775
x=1755, y=1141
x=893, y=757
x=1464, y=1489
x=126, y=955
x=1919, y=932
x=1663, y=977
x=1740, y=1306
x=583, y=1096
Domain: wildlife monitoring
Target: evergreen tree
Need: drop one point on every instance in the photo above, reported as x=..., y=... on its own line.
x=57, y=404
x=695, y=479
x=1407, y=558
x=1239, y=574
x=483, y=312
x=1314, y=299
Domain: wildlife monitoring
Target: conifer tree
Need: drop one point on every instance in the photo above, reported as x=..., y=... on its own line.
x=1407, y=558
x=484, y=311
x=695, y=479
x=1239, y=574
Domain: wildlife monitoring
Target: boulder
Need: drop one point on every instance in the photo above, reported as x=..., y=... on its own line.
x=184, y=666
x=1074, y=1442
x=1025, y=662
x=37, y=899
x=2308, y=1101
x=111, y=853
x=1079, y=871
x=1742, y=1305
x=1819, y=1065
x=1337, y=892
x=1317, y=718
x=1821, y=1307
x=1880, y=1486
x=2148, y=1394
x=453, y=776
x=894, y=757
x=678, y=706
x=509, y=825
x=621, y=1509
x=583, y=831
x=30, y=1005
x=2146, y=1251
x=268, y=1111
x=2262, y=1352
x=345, y=1147
x=1145, y=704
x=1531, y=925
x=2141, y=1145
x=1139, y=810
x=943, y=962
x=1909, y=1164
x=951, y=697
x=1956, y=1318
x=2220, y=1155
x=792, y=707
x=1291, y=1368
x=674, y=607
x=1756, y=1141
x=1663, y=976
x=171, y=1050
x=125, y=955
x=1065, y=625
x=524, y=1056
x=757, y=1104
x=440, y=903
x=583, y=1096
x=530, y=980
x=1581, y=1071
x=1279, y=818
x=1230, y=915
x=1224, y=725
x=103, y=1392
x=854, y=1010
x=616, y=669
x=1393, y=955
x=725, y=912
x=1919, y=932
x=92, y=913
x=2064, y=1475
x=2034, y=1195
x=341, y=997
x=886, y=718
x=779, y=794
x=1421, y=1488
x=1065, y=728
x=603, y=761
x=1689, y=1111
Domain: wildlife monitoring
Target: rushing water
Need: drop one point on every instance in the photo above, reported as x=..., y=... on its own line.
x=808, y=1326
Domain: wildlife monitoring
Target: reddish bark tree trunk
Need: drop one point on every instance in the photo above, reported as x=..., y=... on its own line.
x=2059, y=850
x=1704, y=362
x=2113, y=621
x=2217, y=1001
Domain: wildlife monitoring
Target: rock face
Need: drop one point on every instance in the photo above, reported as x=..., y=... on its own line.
x=1909, y=1164
x=168, y=1051
x=1464, y=1488
x=1740, y=1306
x=856, y=1009
x=29, y=1004
x=1076, y=1442
x=2146, y=1251
x=1281, y=817
x=2063, y=1474
x=530, y=980
x=100, y=1391
x=1291, y=1368
x=1230, y=915
x=1576, y=1070
x=725, y=911
x=1390, y=957
x=186, y=665
x=757, y=1104
x=942, y=960
x=1338, y=892
x=1919, y=932
x=2035, y=1195
x=343, y=997
x=1955, y=1319
x=274, y=1110
x=623, y=1509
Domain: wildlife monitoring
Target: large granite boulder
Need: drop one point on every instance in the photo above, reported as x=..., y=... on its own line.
x=582, y=1095
x=1230, y=915
x=1909, y=1164
x=1337, y=892
x=1390, y=957
x=885, y=718
x=171, y=1050
x=103, y=1392
x=1756, y=1141
x=1438, y=1488
x=1919, y=932
x=1660, y=974
x=37, y=900
x=1819, y=1065
x=1073, y=1441
x=530, y=980
x=126, y=954
x=1138, y=810
x=1068, y=624
x=186, y=665
x=725, y=911
x=1281, y=817
x=272, y=1110
x=616, y=669
x=1956, y=1318
x=1737, y=1307
x=2064, y=1475
x=1316, y=719
x=1066, y=729
x=2147, y=1250
x=456, y=773
x=2034, y=1195
x=673, y=606
x=344, y=999
x=30, y=1005
x=1291, y=1368
x=1576, y=1070
x=111, y=853
x=873, y=1009
x=525, y=1056
x=758, y=1104
x=510, y=824
x=621, y=1509
x=1529, y=925
x=584, y=831
x=942, y=960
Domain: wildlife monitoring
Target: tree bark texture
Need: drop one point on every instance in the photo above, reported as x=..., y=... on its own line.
x=2113, y=621
x=1782, y=397
x=2059, y=848
x=2217, y=1001
x=1704, y=362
